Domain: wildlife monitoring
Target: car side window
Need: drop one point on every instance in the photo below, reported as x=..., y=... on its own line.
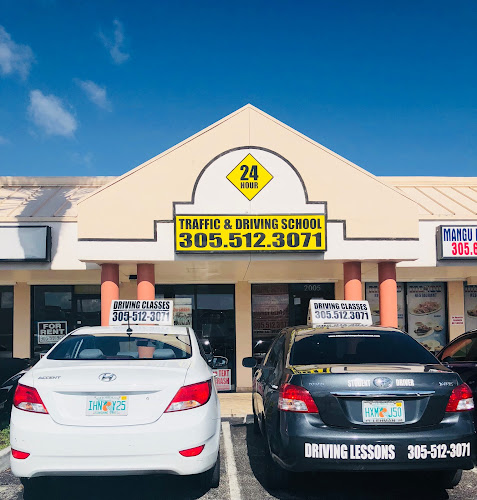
x=462, y=350
x=271, y=357
x=279, y=359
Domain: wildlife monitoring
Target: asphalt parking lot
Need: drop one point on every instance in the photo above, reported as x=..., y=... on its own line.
x=243, y=463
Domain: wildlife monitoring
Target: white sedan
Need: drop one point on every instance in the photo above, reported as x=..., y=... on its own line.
x=106, y=400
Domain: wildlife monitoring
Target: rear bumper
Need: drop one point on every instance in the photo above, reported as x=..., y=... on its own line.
x=138, y=449
x=306, y=444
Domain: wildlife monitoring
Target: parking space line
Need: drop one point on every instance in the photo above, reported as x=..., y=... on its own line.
x=230, y=463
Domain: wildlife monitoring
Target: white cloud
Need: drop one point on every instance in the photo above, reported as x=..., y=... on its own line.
x=49, y=114
x=3, y=140
x=14, y=58
x=83, y=159
x=95, y=93
x=115, y=44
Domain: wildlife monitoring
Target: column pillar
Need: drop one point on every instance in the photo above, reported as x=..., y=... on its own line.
x=243, y=334
x=21, y=321
x=387, y=294
x=146, y=282
x=109, y=289
x=352, y=281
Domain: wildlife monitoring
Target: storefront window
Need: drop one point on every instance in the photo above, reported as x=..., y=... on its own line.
x=470, y=307
x=59, y=309
x=276, y=306
x=372, y=296
x=210, y=311
x=6, y=321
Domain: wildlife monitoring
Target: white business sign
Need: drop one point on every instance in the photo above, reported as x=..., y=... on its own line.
x=25, y=243
x=457, y=242
x=141, y=312
x=339, y=313
x=51, y=332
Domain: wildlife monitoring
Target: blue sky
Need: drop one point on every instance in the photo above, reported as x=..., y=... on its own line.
x=98, y=87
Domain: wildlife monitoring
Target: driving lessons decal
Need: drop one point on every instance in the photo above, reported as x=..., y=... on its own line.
x=249, y=233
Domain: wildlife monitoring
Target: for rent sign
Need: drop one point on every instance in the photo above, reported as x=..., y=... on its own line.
x=50, y=332
x=457, y=242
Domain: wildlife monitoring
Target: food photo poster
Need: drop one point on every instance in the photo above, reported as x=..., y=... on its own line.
x=470, y=306
x=426, y=314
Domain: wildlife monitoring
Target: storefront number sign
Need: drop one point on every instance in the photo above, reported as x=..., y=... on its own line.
x=249, y=233
x=50, y=332
x=141, y=312
x=457, y=242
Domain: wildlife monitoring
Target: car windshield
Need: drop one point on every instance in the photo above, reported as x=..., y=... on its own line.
x=354, y=347
x=121, y=346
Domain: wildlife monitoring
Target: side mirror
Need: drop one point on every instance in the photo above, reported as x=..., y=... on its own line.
x=219, y=362
x=249, y=362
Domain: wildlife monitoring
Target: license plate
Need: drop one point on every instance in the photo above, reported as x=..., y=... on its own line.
x=107, y=405
x=383, y=411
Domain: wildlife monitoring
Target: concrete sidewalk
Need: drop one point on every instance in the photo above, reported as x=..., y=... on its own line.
x=237, y=404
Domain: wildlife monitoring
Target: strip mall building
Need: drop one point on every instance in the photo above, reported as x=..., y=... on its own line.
x=241, y=225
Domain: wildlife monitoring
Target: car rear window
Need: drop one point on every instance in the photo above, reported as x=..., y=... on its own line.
x=358, y=347
x=121, y=346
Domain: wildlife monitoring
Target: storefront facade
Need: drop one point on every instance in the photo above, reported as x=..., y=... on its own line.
x=242, y=224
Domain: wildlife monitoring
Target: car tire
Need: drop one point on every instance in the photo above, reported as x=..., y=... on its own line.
x=211, y=478
x=449, y=479
x=277, y=478
x=256, y=425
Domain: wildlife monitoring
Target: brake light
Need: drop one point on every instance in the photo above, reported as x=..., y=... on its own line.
x=191, y=396
x=461, y=399
x=192, y=452
x=21, y=455
x=297, y=399
x=27, y=399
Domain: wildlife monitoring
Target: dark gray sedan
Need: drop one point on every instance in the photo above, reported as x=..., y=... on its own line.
x=361, y=398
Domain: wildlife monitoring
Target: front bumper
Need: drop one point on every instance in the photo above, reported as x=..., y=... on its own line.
x=306, y=444
x=137, y=449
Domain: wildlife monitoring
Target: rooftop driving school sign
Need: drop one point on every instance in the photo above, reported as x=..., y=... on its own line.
x=337, y=313
x=141, y=312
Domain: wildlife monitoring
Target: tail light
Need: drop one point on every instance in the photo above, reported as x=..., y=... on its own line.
x=27, y=399
x=191, y=396
x=461, y=399
x=297, y=399
x=20, y=455
x=192, y=452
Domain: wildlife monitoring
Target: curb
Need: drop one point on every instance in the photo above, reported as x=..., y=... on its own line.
x=4, y=459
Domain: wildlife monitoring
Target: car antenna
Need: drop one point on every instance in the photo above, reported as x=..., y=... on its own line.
x=129, y=329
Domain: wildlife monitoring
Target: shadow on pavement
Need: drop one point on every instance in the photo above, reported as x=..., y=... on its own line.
x=342, y=485
x=114, y=487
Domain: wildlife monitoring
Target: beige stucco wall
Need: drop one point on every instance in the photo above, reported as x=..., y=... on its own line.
x=243, y=328
x=127, y=207
x=455, y=307
x=21, y=320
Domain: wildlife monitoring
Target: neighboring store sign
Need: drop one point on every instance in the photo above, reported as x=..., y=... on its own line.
x=372, y=296
x=339, y=313
x=183, y=311
x=426, y=303
x=470, y=306
x=249, y=177
x=25, y=243
x=141, y=312
x=50, y=332
x=223, y=379
x=249, y=233
x=457, y=242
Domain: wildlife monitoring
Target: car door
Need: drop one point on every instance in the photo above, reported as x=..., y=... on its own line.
x=461, y=356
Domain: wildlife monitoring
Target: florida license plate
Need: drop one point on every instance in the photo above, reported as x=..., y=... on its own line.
x=383, y=411
x=107, y=405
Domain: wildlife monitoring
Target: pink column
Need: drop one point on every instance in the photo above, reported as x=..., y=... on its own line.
x=387, y=294
x=109, y=289
x=146, y=282
x=352, y=281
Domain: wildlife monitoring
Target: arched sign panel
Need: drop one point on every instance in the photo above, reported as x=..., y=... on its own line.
x=250, y=200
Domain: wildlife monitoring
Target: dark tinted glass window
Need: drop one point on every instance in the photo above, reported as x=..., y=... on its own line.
x=462, y=350
x=358, y=347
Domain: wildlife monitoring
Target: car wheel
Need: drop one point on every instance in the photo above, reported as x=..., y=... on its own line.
x=256, y=425
x=449, y=479
x=276, y=477
x=211, y=478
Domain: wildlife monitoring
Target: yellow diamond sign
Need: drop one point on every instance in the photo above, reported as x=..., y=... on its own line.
x=249, y=177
